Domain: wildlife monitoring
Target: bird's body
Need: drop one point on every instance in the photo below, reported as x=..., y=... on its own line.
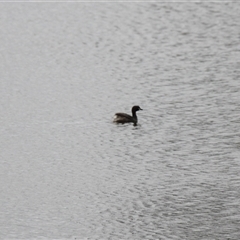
x=126, y=118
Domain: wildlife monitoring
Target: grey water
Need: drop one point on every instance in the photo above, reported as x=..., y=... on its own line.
x=68, y=172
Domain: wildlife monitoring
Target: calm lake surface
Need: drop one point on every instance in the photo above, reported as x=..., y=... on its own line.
x=68, y=172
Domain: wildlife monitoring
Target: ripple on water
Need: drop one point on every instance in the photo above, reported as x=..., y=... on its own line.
x=68, y=172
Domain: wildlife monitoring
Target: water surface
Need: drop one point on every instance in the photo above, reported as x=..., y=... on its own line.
x=68, y=172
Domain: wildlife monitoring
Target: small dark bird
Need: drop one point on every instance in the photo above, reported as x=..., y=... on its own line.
x=125, y=118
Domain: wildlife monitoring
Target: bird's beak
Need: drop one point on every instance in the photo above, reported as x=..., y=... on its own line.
x=140, y=109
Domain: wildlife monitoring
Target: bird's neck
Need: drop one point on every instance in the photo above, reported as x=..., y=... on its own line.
x=134, y=114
